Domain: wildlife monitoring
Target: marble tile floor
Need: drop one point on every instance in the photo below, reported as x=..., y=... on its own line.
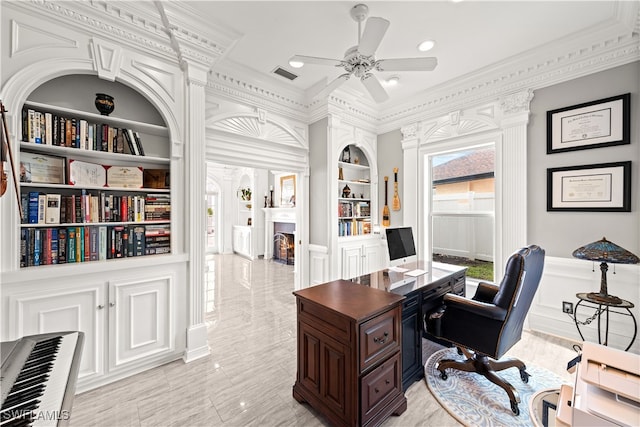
x=248, y=377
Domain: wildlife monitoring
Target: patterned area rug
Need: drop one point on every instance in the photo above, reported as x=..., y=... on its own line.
x=475, y=401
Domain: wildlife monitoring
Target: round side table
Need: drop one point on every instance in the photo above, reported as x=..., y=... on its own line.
x=599, y=308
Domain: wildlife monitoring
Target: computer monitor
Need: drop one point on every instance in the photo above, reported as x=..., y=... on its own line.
x=401, y=246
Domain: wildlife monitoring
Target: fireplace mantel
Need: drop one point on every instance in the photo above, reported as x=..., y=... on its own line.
x=272, y=215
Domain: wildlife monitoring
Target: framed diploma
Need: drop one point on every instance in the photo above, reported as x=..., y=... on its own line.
x=590, y=125
x=604, y=187
x=42, y=168
x=86, y=174
x=124, y=176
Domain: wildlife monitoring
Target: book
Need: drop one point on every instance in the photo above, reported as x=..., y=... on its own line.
x=71, y=244
x=48, y=134
x=79, y=244
x=93, y=243
x=138, y=141
x=24, y=247
x=131, y=141
x=54, y=245
x=42, y=208
x=33, y=207
x=102, y=242
x=37, y=246
x=52, y=214
x=62, y=245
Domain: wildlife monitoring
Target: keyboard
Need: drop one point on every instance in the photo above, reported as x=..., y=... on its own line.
x=39, y=374
x=415, y=273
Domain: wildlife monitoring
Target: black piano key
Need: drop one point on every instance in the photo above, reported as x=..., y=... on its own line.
x=32, y=372
x=36, y=379
x=47, y=342
x=29, y=394
x=39, y=361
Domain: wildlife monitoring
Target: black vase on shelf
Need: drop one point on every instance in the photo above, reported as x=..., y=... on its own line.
x=104, y=103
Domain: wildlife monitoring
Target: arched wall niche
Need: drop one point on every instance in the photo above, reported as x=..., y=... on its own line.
x=21, y=85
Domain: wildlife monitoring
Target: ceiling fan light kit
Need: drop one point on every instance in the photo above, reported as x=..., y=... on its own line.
x=426, y=45
x=359, y=60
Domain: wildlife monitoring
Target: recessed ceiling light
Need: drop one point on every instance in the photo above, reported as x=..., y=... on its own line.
x=296, y=64
x=426, y=45
x=393, y=80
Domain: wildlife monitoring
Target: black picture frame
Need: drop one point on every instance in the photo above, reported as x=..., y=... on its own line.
x=601, y=187
x=595, y=124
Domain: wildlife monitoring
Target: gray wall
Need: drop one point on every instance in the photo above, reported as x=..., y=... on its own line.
x=562, y=232
x=318, y=192
x=389, y=157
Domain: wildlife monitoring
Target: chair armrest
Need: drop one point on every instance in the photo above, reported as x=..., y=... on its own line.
x=479, y=308
x=486, y=292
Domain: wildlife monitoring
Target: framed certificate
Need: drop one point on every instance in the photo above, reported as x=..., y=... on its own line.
x=42, y=168
x=590, y=125
x=124, y=176
x=604, y=187
x=84, y=173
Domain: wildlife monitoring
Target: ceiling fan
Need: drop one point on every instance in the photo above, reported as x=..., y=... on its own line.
x=359, y=60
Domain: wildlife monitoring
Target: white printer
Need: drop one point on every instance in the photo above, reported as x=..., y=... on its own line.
x=606, y=390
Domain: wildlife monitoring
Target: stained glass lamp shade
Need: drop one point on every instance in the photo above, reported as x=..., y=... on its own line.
x=605, y=251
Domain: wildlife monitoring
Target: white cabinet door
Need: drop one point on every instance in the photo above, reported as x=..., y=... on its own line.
x=71, y=310
x=140, y=319
x=351, y=262
x=371, y=258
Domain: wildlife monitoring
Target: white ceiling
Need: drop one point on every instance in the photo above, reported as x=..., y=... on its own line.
x=470, y=35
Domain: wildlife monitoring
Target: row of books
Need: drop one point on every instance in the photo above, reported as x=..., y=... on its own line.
x=353, y=227
x=51, y=129
x=87, y=207
x=60, y=245
x=349, y=209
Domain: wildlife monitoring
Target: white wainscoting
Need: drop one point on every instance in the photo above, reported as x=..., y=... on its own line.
x=318, y=264
x=563, y=278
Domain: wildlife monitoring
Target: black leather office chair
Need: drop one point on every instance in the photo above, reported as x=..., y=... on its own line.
x=486, y=326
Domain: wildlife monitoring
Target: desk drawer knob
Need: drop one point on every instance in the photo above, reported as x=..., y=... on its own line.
x=382, y=339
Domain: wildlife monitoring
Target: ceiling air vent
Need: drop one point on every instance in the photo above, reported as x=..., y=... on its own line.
x=284, y=73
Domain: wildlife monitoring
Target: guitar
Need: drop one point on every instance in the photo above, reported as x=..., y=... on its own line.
x=395, y=205
x=386, y=216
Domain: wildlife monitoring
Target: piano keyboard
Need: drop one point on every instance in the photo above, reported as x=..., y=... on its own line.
x=39, y=374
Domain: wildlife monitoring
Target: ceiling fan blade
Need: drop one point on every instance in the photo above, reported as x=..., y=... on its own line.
x=407, y=64
x=375, y=89
x=372, y=35
x=315, y=60
x=337, y=82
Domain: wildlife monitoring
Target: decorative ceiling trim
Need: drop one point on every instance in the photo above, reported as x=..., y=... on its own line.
x=25, y=37
x=107, y=58
x=92, y=17
x=251, y=126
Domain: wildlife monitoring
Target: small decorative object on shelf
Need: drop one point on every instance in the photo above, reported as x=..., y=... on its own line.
x=104, y=103
x=346, y=155
x=340, y=174
x=245, y=194
x=346, y=191
x=265, y=201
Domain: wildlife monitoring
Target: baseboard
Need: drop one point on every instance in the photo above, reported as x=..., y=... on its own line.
x=197, y=345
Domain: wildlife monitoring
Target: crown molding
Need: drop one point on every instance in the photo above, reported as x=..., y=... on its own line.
x=135, y=24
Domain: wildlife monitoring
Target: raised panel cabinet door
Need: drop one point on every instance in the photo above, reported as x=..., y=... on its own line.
x=309, y=357
x=351, y=262
x=336, y=384
x=73, y=310
x=411, y=342
x=140, y=319
x=371, y=260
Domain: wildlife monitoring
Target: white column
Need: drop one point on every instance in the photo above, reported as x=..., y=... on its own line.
x=196, y=204
x=411, y=181
x=512, y=188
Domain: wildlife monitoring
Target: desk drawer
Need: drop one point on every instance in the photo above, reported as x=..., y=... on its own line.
x=379, y=337
x=379, y=387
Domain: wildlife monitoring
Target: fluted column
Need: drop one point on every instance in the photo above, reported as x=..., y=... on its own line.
x=512, y=229
x=196, y=177
x=410, y=163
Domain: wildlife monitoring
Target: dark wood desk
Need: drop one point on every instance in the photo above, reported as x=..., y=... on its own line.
x=360, y=347
x=423, y=295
